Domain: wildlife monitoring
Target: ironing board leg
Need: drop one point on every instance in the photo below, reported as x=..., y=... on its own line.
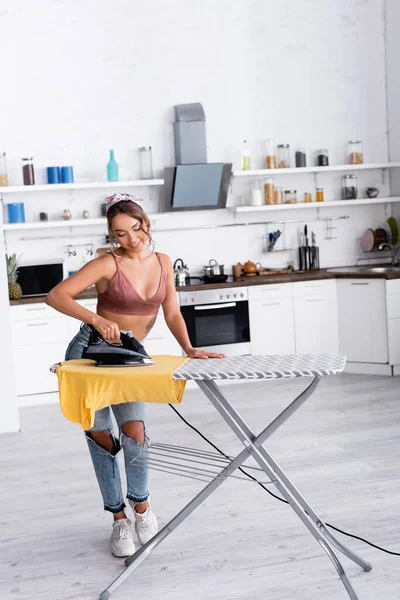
x=253, y=446
x=136, y=559
x=286, y=487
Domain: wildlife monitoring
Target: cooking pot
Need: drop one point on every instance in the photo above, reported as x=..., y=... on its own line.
x=213, y=268
x=181, y=273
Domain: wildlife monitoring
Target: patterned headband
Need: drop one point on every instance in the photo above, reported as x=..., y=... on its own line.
x=115, y=198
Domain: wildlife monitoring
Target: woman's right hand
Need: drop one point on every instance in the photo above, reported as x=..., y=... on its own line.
x=108, y=329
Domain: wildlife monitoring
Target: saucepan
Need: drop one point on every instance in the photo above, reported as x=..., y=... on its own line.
x=213, y=269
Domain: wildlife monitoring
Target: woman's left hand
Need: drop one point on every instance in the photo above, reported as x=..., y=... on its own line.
x=195, y=353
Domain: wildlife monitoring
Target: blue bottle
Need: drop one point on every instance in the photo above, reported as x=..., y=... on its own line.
x=112, y=168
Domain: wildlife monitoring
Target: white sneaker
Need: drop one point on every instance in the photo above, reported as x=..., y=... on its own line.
x=146, y=525
x=122, y=543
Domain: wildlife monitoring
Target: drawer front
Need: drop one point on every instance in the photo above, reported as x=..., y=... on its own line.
x=273, y=290
x=393, y=286
x=40, y=331
x=313, y=288
x=39, y=310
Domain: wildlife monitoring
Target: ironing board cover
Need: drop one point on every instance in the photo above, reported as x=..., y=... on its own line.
x=262, y=367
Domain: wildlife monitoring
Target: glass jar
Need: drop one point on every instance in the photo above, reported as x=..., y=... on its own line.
x=3, y=169
x=322, y=158
x=269, y=189
x=256, y=198
x=28, y=171
x=349, y=187
x=283, y=156
x=270, y=154
x=319, y=194
x=279, y=196
x=67, y=214
x=301, y=160
x=355, y=152
x=245, y=160
x=146, y=162
x=290, y=196
x=307, y=197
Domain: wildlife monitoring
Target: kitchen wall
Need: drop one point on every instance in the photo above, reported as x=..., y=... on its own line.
x=393, y=89
x=108, y=75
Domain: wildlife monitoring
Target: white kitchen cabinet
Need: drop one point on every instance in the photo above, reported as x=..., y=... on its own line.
x=393, y=320
x=362, y=314
x=315, y=317
x=271, y=319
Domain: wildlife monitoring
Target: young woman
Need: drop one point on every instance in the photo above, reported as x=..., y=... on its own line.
x=132, y=282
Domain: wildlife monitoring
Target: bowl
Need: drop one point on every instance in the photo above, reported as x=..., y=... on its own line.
x=372, y=192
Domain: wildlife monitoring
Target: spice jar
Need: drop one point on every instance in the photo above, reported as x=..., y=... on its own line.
x=322, y=157
x=67, y=214
x=307, y=197
x=269, y=191
x=28, y=171
x=270, y=154
x=300, y=155
x=3, y=169
x=279, y=195
x=349, y=187
x=319, y=194
x=290, y=196
x=283, y=156
x=146, y=162
x=355, y=152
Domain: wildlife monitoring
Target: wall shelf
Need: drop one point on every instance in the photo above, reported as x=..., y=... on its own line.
x=79, y=186
x=305, y=170
x=304, y=205
x=70, y=223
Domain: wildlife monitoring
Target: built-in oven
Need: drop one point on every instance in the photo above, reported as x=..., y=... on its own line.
x=217, y=320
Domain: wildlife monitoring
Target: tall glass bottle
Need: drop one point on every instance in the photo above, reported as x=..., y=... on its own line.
x=245, y=157
x=112, y=168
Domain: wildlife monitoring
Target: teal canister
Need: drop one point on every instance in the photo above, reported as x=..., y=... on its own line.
x=112, y=168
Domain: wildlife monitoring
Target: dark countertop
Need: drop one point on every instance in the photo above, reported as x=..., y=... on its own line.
x=294, y=277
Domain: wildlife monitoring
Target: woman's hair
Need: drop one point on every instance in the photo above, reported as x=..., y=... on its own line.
x=126, y=207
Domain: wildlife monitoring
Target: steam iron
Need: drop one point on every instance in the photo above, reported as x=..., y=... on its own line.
x=129, y=353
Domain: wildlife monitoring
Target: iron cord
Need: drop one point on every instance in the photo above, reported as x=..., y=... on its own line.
x=356, y=537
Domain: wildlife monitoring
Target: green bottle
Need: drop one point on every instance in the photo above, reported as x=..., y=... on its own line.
x=112, y=168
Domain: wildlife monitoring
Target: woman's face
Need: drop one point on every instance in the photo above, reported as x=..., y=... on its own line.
x=129, y=232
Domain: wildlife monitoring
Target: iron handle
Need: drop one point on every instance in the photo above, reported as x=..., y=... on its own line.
x=361, y=283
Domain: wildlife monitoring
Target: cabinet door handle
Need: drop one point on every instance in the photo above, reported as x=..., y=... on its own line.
x=270, y=304
x=152, y=339
x=36, y=324
x=314, y=299
x=318, y=285
x=361, y=283
x=36, y=309
x=270, y=290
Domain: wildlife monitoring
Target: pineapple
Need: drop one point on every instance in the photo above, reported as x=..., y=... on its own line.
x=14, y=289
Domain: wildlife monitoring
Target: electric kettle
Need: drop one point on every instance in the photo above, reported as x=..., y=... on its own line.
x=181, y=273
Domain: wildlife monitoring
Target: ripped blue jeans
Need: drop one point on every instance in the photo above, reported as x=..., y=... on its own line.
x=105, y=464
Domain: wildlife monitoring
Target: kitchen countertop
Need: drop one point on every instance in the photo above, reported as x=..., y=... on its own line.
x=245, y=281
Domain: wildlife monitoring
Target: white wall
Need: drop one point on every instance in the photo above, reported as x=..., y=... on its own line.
x=109, y=74
x=393, y=88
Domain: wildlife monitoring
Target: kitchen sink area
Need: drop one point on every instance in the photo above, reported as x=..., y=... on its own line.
x=367, y=270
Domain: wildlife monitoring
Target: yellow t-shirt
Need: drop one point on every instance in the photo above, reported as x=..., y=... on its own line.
x=85, y=388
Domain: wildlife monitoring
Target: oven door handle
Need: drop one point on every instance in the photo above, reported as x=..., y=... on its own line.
x=212, y=306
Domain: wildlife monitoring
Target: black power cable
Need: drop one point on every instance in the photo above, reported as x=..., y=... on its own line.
x=356, y=537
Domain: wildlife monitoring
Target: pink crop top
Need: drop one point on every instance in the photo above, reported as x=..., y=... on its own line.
x=122, y=298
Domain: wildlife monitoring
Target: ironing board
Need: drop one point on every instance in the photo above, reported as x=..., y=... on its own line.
x=206, y=373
